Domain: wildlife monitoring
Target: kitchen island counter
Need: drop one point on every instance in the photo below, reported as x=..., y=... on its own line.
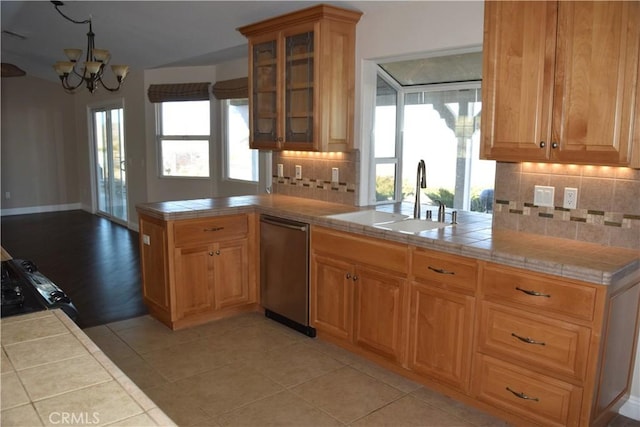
x=52, y=373
x=473, y=236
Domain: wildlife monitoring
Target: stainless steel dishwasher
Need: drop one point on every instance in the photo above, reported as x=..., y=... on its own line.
x=284, y=272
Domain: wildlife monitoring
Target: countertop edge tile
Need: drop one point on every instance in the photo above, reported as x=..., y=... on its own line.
x=472, y=238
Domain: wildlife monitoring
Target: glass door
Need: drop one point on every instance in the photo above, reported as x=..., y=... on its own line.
x=111, y=177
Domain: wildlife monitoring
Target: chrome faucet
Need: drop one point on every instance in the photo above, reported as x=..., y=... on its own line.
x=421, y=182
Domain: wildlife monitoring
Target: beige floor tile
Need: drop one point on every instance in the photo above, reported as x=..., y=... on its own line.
x=24, y=415
x=397, y=381
x=12, y=393
x=132, y=323
x=229, y=324
x=188, y=359
x=5, y=364
x=281, y=409
x=336, y=352
x=104, y=403
x=347, y=394
x=409, y=411
x=294, y=364
x=152, y=335
x=28, y=354
x=110, y=343
x=141, y=420
x=178, y=406
x=60, y=377
x=141, y=372
x=16, y=330
x=227, y=388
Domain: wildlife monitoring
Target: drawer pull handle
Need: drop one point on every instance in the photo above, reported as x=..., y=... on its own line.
x=533, y=293
x=523, y=396
x=440, y=270
x=214, y=229
x=527, y=339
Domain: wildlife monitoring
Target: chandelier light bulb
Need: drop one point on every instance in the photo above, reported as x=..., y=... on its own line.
x=101, y=55
x=93, y=67
x=120, y=71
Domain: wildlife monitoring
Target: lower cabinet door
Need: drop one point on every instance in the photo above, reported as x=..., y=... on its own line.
x=378, y=312
x=231, y=273
x=332, y=290
x=538, y=398
x=440, y=334
x=194, y=280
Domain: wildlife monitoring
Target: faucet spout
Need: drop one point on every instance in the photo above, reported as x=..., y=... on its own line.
x=421, y=182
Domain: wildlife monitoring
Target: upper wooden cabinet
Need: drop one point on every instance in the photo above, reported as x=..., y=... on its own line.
x=560, y=82
x=301, y=80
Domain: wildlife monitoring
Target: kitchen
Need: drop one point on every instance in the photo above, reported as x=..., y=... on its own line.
x=417, y=35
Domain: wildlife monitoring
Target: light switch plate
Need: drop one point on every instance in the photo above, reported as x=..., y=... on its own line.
x=146, y=239
x=298, y=172
x=543, y=195
x=335, y=174
x=280, y=170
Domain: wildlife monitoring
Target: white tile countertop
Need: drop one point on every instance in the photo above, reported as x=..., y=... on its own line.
x=472, y=236
x=53, y=374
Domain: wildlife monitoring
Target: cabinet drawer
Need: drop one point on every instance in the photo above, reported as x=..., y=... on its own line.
x=551, y=345
x=210, y=229
x=375, y=252
x=539, y=292
x=449, y=269
x=541, y=399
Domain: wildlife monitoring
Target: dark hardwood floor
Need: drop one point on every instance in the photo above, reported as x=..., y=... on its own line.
x=96, y=262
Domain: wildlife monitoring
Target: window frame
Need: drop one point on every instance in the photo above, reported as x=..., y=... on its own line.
x=400, y=109
x=226, y=166
x=160, y=137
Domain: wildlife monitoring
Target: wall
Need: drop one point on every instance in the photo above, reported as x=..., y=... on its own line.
x=39, y=150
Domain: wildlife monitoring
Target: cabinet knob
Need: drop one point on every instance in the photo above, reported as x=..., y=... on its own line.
x=543, y=144
x=348, y=276
x=554, y=145
x=355, y=278
x=218, y=252
x=210, y=253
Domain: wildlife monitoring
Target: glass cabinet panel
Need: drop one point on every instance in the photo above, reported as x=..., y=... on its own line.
x=264, y=92
x=299, y=62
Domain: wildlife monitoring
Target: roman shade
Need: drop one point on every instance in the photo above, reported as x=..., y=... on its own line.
x=179, y=92
x=231, y=89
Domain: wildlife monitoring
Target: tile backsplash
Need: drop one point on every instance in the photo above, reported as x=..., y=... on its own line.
x=316, y=175
x=607, y=213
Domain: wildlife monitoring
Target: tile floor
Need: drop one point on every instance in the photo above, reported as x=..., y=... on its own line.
x=250, y=371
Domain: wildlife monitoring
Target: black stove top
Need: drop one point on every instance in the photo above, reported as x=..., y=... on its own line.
x=26, y=290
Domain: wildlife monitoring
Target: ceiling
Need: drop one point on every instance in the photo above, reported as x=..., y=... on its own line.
x=141, y=34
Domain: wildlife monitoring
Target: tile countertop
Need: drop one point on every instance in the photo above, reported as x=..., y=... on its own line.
x=52, y=373
x=472, y=236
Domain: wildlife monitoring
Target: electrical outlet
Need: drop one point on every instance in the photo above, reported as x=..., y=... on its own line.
x=146, y=239
x=543, y=195
x=335, y=174
x=570, y=198
x=280, y=170
x=298, y=172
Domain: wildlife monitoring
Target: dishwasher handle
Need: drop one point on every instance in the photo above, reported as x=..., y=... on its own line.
x=278, y=223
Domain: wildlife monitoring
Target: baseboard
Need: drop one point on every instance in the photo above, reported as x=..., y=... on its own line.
x=631, y=408
x=41, y=209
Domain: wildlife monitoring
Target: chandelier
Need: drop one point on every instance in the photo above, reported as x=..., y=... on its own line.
x=72, y=75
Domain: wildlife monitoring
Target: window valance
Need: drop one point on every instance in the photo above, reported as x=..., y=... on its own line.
x=179, y=92
x=231, y=89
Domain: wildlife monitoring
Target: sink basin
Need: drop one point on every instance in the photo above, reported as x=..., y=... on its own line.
x=412, y=226
x=369, y=217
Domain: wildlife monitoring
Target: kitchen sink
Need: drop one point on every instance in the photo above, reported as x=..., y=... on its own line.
x=412, y=226
x=369, y=217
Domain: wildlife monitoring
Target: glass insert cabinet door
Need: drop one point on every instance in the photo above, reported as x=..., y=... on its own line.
x=299, y=88
x=265, y=93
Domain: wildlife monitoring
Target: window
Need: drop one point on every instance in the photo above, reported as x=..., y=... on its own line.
x=183, y=137
x=241, y=161
x=439, y=123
